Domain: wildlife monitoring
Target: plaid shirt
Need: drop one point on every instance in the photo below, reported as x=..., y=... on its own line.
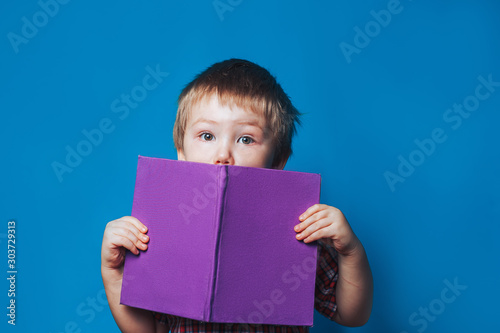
x=324, y=303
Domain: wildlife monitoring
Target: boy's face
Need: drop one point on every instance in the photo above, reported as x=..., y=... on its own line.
x=219, y=134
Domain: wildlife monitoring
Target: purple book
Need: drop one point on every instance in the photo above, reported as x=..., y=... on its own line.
x=222, y=246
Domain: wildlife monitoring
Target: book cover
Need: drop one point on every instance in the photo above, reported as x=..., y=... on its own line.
x=222, y=246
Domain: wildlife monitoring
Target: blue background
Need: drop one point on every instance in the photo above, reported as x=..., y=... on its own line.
x=441, y=223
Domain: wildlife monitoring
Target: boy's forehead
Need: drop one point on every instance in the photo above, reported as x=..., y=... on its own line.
x=212, y=108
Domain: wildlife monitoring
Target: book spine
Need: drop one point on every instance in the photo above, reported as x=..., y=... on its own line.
x=222, y=179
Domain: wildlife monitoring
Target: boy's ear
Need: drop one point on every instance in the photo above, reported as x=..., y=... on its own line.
x=180, y=155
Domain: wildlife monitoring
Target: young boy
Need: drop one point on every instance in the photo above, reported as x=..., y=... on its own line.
x=236, y=113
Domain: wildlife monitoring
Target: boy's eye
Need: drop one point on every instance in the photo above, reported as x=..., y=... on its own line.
x=207, y=137
x=246, y=140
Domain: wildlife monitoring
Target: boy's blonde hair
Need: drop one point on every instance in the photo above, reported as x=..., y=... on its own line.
x=246, y=85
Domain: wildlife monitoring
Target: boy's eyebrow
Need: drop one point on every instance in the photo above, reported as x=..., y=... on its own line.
x=203, y=120
x=242, y=122
x=249, y=123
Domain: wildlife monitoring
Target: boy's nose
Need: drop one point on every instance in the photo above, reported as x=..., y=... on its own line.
x=223, y=156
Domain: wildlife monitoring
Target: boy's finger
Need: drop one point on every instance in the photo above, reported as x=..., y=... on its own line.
x=142, y=236
x=311, y=229
x=316, y=235
x=128, y=234
x=309, y=220
x=138, y=224
x=310, y=211
x=121, y=241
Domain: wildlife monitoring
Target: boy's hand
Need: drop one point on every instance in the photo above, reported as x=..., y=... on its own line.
x=329, y=224
x=122, y=234
x=354, y=287
x=126, y=233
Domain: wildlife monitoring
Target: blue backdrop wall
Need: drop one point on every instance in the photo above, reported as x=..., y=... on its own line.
x=401, y=103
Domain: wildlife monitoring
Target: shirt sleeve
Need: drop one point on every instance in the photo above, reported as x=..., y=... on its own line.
x=326, y=280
